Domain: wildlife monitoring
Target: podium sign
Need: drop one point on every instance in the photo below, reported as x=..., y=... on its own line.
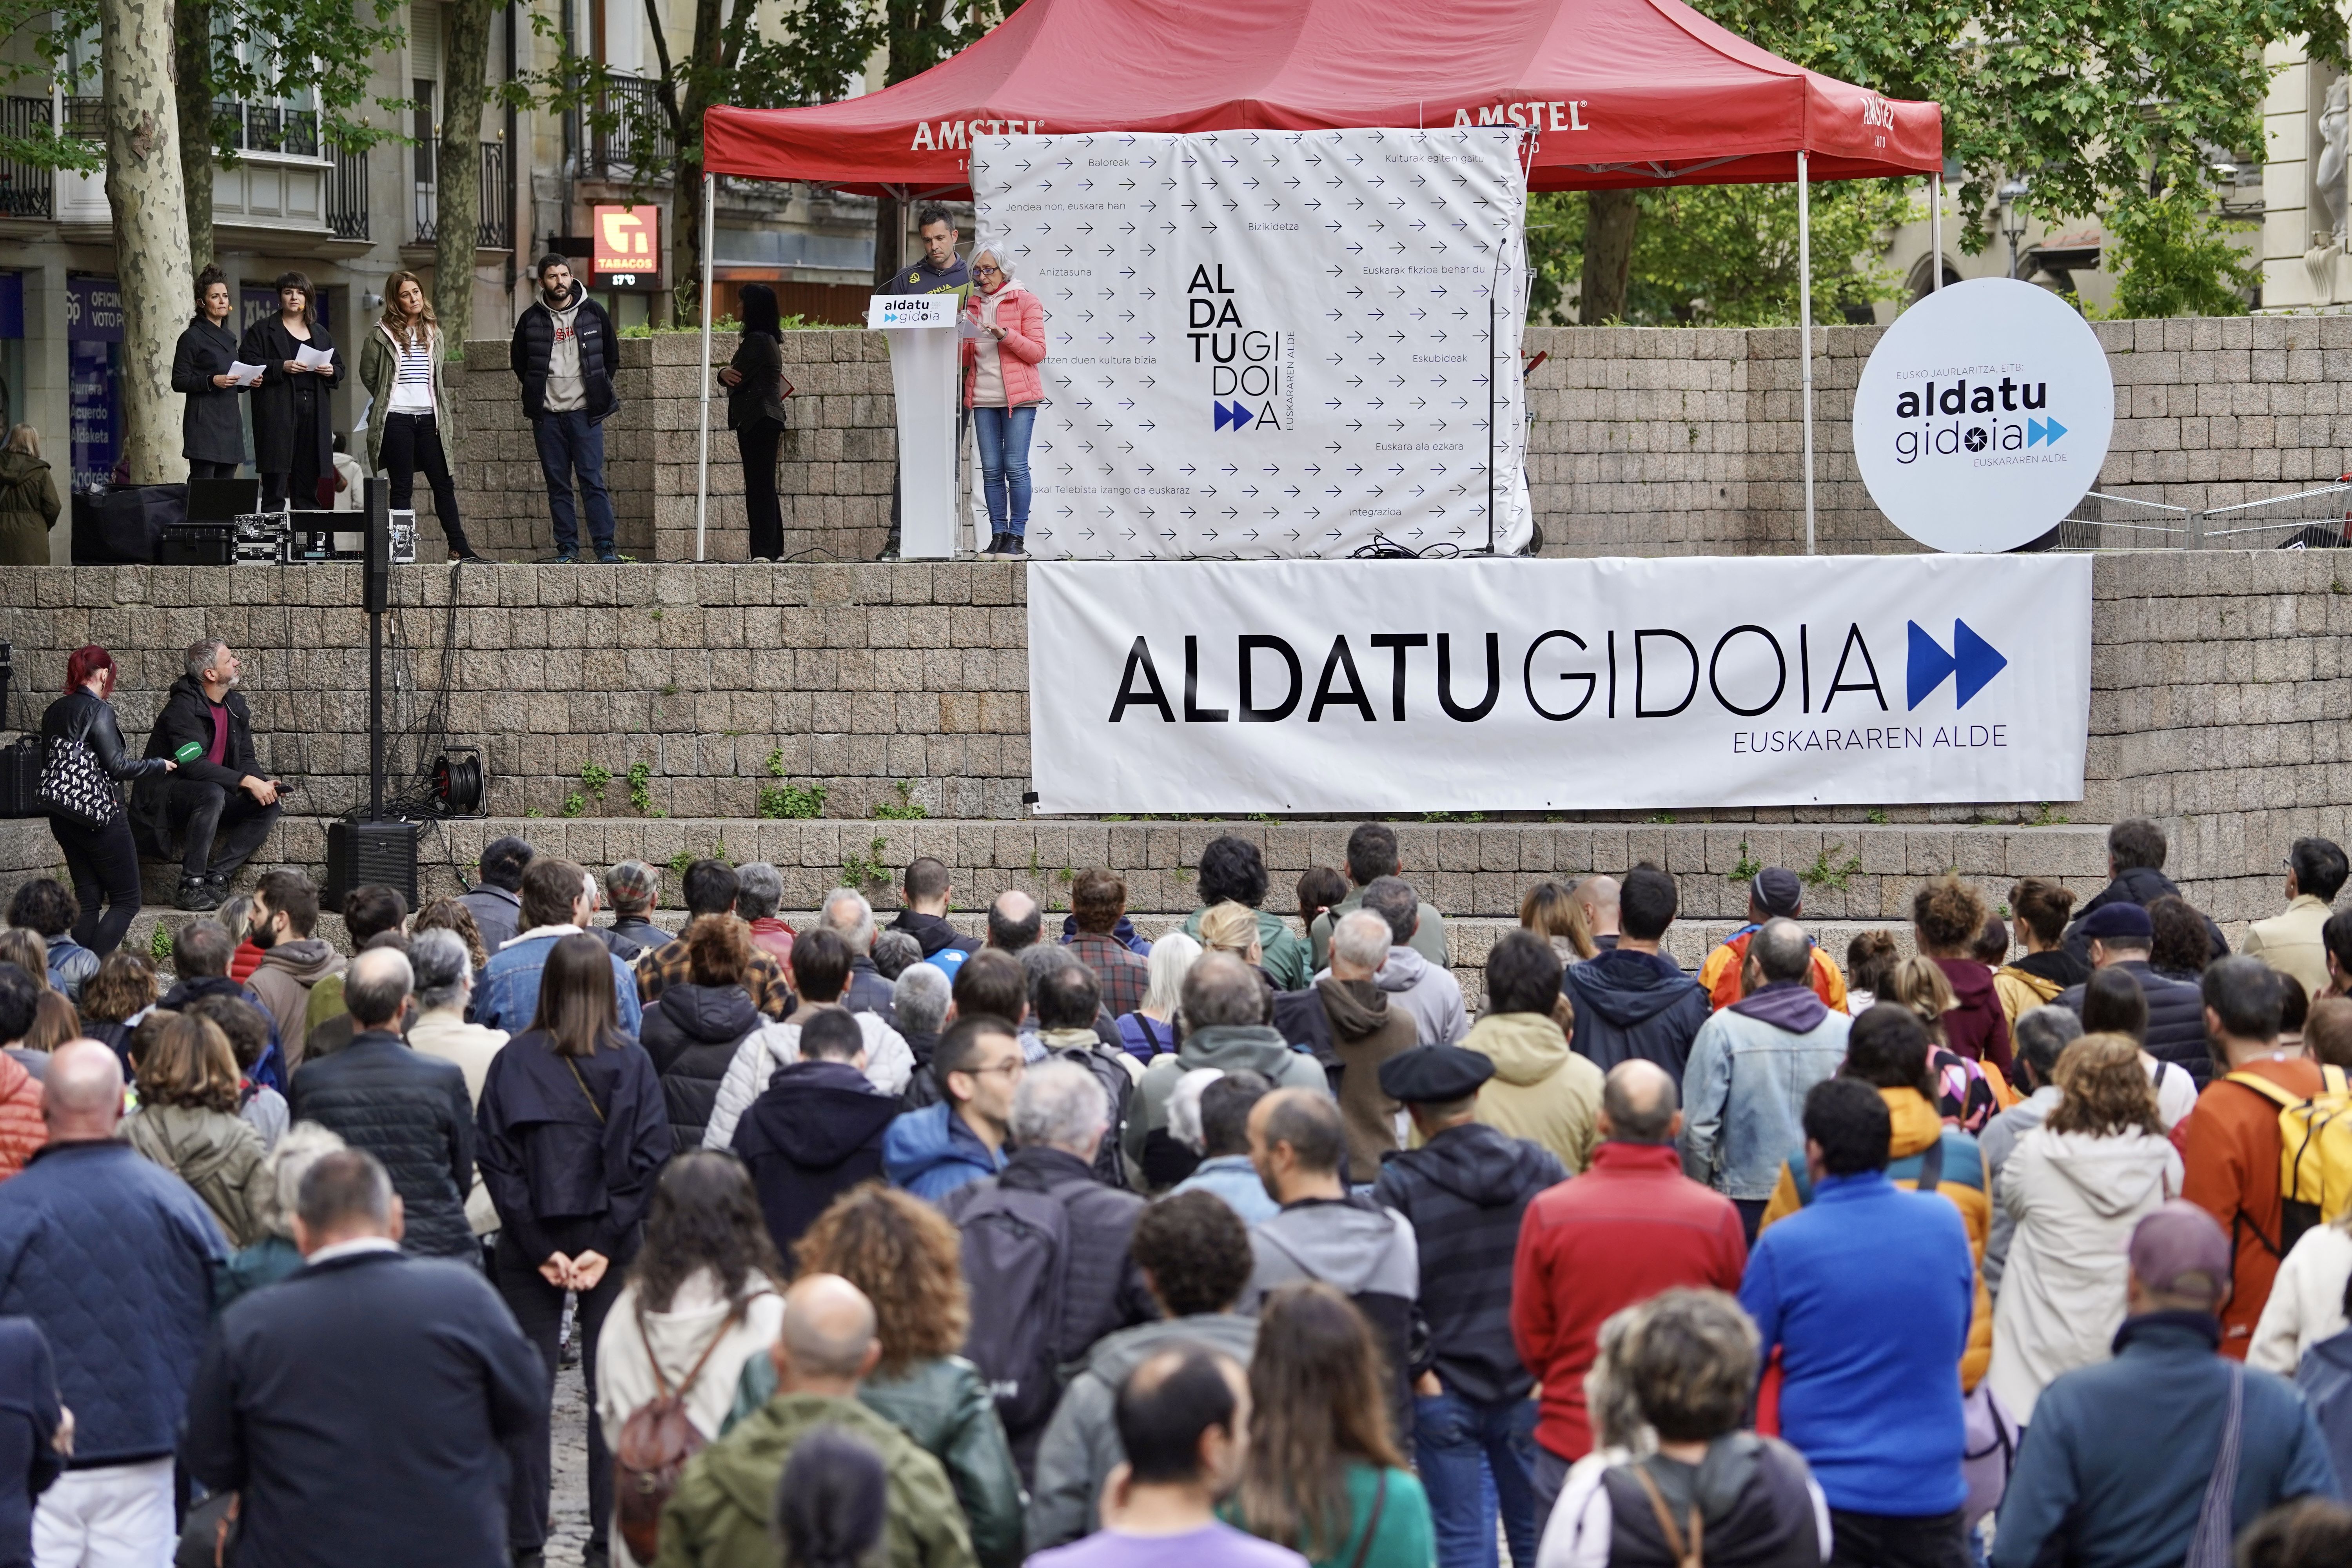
x=921, y=330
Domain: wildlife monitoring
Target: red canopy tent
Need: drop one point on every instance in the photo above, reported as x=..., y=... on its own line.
x=1613, y=94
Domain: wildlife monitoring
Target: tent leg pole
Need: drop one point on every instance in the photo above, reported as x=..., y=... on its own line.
x=1805, y=330
x=1935, y=231
x=702, y=435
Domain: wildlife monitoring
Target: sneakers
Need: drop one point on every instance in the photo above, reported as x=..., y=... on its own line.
x=1013, y=545
x=566, y=558
x=201, y=895
x=613, y=558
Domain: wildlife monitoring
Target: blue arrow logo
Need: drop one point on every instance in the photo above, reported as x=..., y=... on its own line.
x=2040, y=431
x=1974, y=661
x=1233, y=414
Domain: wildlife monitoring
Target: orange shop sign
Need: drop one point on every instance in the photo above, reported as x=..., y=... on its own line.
x=626, y=243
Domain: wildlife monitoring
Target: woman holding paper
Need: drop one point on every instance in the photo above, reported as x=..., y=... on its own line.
x=212, y=437
x=1003, y=389
x=293, y=426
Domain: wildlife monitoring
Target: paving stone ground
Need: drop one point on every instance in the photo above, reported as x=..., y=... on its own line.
x=567, y=1534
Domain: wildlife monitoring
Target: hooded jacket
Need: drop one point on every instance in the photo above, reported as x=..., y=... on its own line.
x=183, y=732
x=1751, y=1065
x=21, y=1130
x=1282, y=955
x=2116, y=1464
x=1631, y=1003
x=218, y=1153
x=931, y=1153
x=2074, y=1199
x=1366, y=1252
x=2176, y=1017
x=815, y=1132
x=534, y=343
x=888, y=1065
x=2324, y=1378
x=1081, y=1445
x=1541, y=1090
x=1722, y=971
x=1976, y=1028
x=1465, y=1191
x=2306, y=1302
x=2142, y=885
x=1368, y=1027
x=283, y=981
x=692, y=1034
x=718, y=1515
x=2035, y=981
x=932, y=933
x=1227, y=1047
x=28, y=510
x=1429, y=991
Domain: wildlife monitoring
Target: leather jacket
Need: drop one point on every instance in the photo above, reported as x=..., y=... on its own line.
x=79, y=716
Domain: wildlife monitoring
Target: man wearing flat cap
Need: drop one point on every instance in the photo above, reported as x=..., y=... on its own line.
x=2167, y=1453
x=2120, y=936
x=1464, y=1186
x=1775, y=893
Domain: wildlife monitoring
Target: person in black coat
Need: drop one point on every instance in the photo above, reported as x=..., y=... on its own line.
x=102, y=861
x=220, y=807
x=358, y=1407
x=411, y=1112
x=816, y=1131
x=293, y=426
x=693, y=1029
x=212, y=435
x=754, y=380
x=30, y=1413
x=573, y=1133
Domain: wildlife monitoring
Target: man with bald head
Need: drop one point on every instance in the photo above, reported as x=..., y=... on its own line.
x=1631, y=1225
x=1597, y=897
x=718, y=1517
x=1013, y=921
x=112, y=1256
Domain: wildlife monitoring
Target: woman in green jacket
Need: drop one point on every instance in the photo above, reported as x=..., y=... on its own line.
x=28, y=501
x=908, y=1259
x=1324, y=1476
x=410, y=429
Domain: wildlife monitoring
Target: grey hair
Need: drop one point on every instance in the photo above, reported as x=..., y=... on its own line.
x=1172, y=957
x=201, y=654
x=631, y=885
x=1184, y=1107
x=1617, y=1420
x=298, y=1149
x=894, y=951
x=437, y=958
x=2041, y=1033
x=759, y=889
x=1393, y=899
x=920, y=997
x=1362, y=937
x=1222, y=990
x=1040, y=959
x=858, y=931
x=1060, y=1104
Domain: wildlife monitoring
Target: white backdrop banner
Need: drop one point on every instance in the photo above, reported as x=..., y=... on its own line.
x=1532, y=685
x=1268, y=344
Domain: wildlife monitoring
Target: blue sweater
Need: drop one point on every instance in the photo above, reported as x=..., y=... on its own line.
x=1866, y=1295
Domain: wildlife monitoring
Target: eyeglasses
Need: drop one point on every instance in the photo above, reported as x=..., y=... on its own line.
x=1012, y=1069
x=988, y=272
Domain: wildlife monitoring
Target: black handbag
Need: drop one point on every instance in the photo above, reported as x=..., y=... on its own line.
x=75, y=787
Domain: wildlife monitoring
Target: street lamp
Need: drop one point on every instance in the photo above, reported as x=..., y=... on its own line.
x=2012, y=221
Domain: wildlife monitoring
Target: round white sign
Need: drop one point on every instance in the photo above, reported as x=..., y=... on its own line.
x=1983, y=416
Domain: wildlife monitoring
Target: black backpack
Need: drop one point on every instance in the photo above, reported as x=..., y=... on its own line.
x=1118, y=1088
x=1016, y=1262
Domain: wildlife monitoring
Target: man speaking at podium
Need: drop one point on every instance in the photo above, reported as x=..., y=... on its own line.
x=941, y=271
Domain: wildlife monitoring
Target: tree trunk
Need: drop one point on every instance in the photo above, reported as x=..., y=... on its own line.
x=704, y=75
x=458, y=166
x=145, y=190
x=889, y=218
x=1607, y=255
x=194, y=58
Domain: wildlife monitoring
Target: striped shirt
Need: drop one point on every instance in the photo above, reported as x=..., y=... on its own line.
x=412, y=386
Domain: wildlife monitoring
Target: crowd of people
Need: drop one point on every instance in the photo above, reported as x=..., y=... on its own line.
x=1245, y=1245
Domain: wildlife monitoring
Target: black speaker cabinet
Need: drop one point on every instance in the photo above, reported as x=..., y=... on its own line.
x=360, y=854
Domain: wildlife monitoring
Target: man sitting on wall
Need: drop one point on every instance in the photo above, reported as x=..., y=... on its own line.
x=220, y=806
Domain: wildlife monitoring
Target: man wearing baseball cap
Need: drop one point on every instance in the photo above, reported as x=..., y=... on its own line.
x=2165, y=1453
x=1775, y=893
x=2120, y=936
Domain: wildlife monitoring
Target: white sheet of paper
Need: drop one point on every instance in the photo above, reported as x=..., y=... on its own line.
x=242, y=374
x=314, y=359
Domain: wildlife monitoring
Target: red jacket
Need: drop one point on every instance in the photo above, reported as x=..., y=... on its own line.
x=244, y=961
x=1977, y=1028
x=1023, y=317
x=1626, y=1230
x=22, y=1132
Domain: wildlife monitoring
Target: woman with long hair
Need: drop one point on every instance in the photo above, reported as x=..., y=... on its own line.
x=293, y=424
x=187, y=1122
x=907, y=1257
x=1153, y=1029
x=28, y=499
x=702, y=1299
x=101, y=860
x=754, y=380
x=1323, y=1475
x=570, y=1136
x=1551, y=911
x=2041, y=909
x=2075, y=1186
x=1965, y=1093
x=400, y=365
x=212, y=434
x=1004, y=390
x=2113, y=1003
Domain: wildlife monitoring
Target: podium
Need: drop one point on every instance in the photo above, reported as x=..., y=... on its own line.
x=921, y=330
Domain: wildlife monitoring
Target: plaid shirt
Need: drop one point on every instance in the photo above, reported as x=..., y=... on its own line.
x=667, y=965
x=1125, y=978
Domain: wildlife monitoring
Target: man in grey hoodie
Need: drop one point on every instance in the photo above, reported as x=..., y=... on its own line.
x=1224, y=1026
x=1194, y=1253
x=284, y=912
x=564, y=352
x=1427, y=991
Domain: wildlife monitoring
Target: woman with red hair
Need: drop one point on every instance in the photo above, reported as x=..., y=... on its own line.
x=101, y=859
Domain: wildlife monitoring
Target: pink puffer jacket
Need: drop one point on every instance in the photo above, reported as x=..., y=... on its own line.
x=1023, y=317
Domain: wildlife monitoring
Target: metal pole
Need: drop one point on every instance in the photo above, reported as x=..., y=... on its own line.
x=702, y=432
x=1935, y=228
x=376, y=701
x=1805, y=328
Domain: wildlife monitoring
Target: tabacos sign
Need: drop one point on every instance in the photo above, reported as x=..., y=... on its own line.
x=1983, y=416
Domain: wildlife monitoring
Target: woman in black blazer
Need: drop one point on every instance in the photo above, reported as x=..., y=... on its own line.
x=293, y=426
x=755, y=412
x=212, y=437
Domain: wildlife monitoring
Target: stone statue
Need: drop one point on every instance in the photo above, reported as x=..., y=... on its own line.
x=2319, y=263
x=2327, y=173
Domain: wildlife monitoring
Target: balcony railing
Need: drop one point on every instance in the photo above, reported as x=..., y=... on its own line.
x=86, y=117
x=494, y=203
x=637, y=140
x=347, y=194
x=25, y=189
x=252, y=127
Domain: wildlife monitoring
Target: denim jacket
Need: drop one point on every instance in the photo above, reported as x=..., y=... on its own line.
x=1744, y=1096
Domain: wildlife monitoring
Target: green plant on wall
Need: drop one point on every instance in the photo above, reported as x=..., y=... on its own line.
x=869, y=869
x=1745, y=872
x=905, y=808
x=788, y=800
x=159, y=944
x=641, y=790
x=1827, y=871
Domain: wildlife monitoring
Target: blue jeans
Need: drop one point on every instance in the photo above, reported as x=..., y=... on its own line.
x=569, y=444
x=1004, y=435
x=1472, y=1459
